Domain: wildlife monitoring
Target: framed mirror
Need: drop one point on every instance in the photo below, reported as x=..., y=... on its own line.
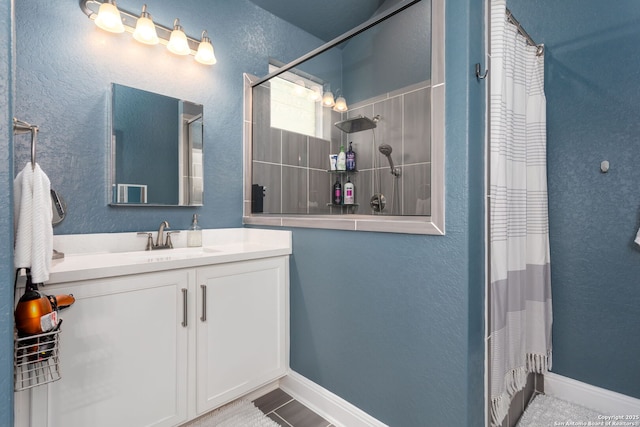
x=388, y=73
x=156, y=149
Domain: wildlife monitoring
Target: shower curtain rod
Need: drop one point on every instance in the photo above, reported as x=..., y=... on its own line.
x=523, y=32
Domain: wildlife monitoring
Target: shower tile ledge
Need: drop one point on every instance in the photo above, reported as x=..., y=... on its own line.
x=386, y=224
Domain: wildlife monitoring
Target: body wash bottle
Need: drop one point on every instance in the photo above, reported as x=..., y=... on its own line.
x=349, y=193
x=341, y=164
x=194, y=234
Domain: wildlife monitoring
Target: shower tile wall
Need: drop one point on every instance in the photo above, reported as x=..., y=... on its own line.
x=404, y=124
x=293, y=167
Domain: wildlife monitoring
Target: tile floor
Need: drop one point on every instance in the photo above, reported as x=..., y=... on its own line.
x=288, y=412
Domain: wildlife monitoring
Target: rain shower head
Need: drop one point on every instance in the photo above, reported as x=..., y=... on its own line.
x=357, y=124
x=386, y=150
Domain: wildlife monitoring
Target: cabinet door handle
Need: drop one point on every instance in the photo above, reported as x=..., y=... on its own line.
x=184, y=307
x=203, y=318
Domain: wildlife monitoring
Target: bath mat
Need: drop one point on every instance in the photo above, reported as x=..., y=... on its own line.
x=241, y=413
x=546, y=411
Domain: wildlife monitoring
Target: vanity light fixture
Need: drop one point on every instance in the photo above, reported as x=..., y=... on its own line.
x=327, y=99
x=110, y=18
x=178, y=41
x=315, y=94
x=205, y=54
x=145, y=31
x=341, y=105
x=299, y=89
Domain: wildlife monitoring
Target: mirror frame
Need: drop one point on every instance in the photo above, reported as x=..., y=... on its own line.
x=432, y=225
x=113, y=184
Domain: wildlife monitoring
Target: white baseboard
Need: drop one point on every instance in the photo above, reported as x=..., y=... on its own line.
x=261, y=391
x=606, y=401
x=326, y=404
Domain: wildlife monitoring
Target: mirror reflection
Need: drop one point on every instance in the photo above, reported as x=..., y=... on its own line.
x=156, y=149
x=348, y=131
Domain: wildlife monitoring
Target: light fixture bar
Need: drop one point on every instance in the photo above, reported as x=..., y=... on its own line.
x=129, y=20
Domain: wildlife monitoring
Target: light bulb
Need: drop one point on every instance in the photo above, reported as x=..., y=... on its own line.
x=327, y=99
x=205, y=54
x=109, y=17
x=178, y=43
x=315, y=94
x=145, y=29
x=299, y=88
x=341, y=104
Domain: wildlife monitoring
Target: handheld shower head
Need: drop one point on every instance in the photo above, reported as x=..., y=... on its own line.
x=386, y=149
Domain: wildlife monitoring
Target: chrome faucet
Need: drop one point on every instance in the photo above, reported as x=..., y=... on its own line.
x=160, y=236
x=159, y=244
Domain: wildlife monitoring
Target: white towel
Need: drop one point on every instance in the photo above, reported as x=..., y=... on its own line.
x=32, y=221
x=638, y=238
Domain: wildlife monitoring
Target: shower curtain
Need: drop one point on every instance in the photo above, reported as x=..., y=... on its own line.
x=520, y=284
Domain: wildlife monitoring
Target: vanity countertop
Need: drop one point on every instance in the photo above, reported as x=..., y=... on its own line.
x=93, y=256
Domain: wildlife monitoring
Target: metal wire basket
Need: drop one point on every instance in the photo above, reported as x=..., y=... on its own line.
x=36, y=360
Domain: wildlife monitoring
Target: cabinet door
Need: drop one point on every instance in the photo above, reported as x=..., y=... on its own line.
x=243, y=341
x=123, y=354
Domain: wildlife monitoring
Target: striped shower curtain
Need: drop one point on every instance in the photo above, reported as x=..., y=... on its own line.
x=520, y=288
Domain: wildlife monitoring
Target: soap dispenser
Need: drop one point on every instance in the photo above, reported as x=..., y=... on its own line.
x=194, y=234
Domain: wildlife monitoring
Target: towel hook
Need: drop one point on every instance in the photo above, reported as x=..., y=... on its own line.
x=479, y=74
x=19, y=127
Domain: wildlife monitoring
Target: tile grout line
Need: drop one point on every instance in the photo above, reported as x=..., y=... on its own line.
x=284, y=404
x=283, y=420
x=287, y=423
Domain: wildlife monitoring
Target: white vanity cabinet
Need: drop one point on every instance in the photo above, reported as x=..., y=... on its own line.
x=131, y=356
x=242, y=338
x=123, y=355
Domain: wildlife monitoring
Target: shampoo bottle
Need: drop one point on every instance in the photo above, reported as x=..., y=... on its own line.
x=351, y=158
x=336, y=197
x=194, y=234
x=342, y=160
x=349, y=193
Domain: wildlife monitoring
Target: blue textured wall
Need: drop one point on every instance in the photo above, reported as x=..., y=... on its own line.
x=6, y=216
x=592, y=93
x=392, y=323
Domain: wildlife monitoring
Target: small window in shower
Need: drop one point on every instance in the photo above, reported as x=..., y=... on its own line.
x=294, y=104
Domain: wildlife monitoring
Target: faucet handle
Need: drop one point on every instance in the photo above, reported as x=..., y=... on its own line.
x=168, y=243
x=149, y=239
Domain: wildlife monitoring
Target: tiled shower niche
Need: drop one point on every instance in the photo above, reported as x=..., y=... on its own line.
x=294, y=168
